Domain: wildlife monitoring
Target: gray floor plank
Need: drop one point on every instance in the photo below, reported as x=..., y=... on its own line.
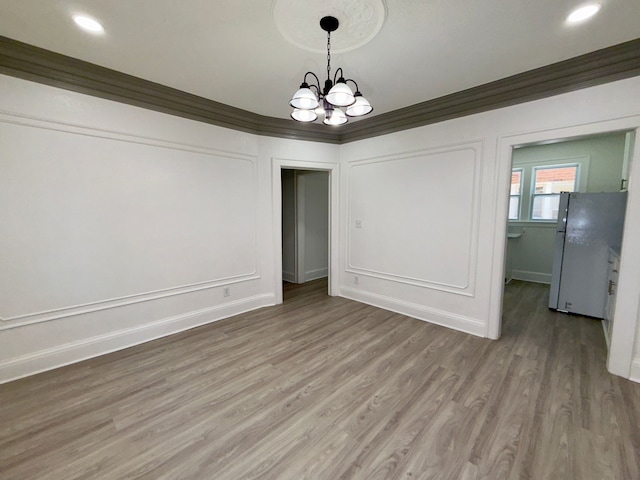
x=328, y=388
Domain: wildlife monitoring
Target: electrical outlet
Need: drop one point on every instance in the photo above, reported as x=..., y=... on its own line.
x=358, y=223
x=356, y=280
x=226, y=291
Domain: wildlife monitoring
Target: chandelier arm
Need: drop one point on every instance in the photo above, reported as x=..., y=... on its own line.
x=335, y=76
x=317, y=84
x=354, y=82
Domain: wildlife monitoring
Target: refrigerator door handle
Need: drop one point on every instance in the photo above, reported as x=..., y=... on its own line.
x=563, y=212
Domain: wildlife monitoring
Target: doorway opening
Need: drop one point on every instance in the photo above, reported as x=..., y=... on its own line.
x=306, y=247
x=539, y=173
x=305, y=228
x=523, y=209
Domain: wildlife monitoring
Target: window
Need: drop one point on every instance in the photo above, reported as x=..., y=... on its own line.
x=535, y=188
x=548, y=182
x=516, y=191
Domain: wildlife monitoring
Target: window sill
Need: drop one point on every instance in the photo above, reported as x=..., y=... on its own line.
x=539, y=223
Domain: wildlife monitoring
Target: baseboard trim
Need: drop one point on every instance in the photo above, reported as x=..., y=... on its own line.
x=78, y=351
x=605, y=329
x=427, y=314
x=289, y=277
x=535, y=277
x=634, y=374
x=316, y=274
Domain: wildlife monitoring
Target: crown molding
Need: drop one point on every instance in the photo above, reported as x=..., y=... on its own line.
x=28, y=62
x=36, y=64
x=594, y=68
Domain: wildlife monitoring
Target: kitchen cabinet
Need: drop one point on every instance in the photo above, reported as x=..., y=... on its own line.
x=612, y=286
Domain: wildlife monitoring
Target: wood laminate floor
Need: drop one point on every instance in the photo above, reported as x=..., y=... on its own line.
x=327, y=388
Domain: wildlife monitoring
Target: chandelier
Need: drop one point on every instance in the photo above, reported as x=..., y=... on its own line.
x=336, y=101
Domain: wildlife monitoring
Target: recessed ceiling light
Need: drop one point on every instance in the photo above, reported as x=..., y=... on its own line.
x=583, y=13
x=89, y=24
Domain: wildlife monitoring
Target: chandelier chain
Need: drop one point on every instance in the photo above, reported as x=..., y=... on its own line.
x=328, y=55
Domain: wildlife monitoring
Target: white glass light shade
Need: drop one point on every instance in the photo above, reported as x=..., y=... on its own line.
x=335, y=117
x=340, y=95
x=303, y=115
x=304, y=99
x=360, y=107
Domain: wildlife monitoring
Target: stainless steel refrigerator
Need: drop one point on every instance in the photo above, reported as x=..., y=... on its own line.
x=588, y=224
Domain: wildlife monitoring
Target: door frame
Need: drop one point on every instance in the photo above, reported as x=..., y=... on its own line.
x=277, y=164
x=620, y=359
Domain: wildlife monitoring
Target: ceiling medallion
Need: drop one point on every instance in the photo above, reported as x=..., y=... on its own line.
x=360, y=22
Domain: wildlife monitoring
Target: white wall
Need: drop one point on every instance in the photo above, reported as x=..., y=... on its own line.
x=414, y=241
x=121, y=224
x=431, y=201
x=605, y=153
x=432, y=205
x=532, y=254
x=315, y=224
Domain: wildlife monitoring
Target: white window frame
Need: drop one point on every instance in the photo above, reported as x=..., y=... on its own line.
x=526, y=198
x=533, y=193
x=519, y=212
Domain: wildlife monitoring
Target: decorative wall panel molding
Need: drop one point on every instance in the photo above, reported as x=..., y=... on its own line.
x=39, y=317
x=395, y=226
x=39, y=65
x=35, y=259
x=50, y=358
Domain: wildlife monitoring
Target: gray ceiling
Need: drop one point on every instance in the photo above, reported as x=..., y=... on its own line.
x=230, y=51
